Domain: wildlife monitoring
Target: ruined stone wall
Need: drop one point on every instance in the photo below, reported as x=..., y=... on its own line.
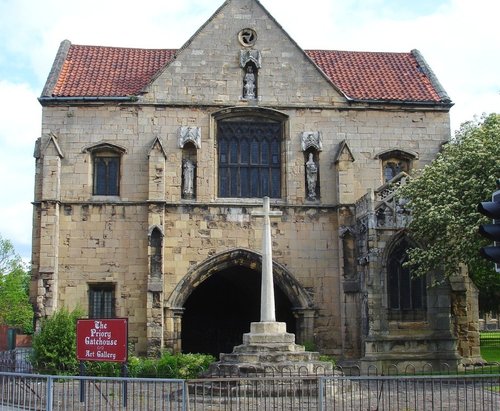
x=465, y=312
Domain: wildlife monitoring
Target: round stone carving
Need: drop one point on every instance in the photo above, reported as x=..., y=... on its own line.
x=247, y=37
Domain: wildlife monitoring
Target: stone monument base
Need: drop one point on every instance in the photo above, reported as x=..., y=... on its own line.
x=269, y=349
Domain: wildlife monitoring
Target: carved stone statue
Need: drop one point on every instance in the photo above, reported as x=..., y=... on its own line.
x=249, y=84
x=311, y=177
x=188, y=179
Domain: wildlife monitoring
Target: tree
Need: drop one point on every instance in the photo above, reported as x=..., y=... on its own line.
x=15, y=308
x=443, y=199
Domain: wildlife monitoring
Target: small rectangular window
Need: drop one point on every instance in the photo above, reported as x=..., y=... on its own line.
x=101, y=301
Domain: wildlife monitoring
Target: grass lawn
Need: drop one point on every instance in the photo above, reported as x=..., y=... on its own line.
x=490, y=346
x=490, y=354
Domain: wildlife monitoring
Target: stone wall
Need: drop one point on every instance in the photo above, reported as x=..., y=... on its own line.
x=80, y=239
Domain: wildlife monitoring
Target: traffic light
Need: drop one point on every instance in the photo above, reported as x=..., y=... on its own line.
x=491, y=231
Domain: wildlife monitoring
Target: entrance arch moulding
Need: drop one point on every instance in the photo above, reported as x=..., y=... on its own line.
x=303, y=307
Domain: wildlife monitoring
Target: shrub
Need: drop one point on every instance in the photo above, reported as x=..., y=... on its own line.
x=54, y=346
x=182, y=366
x=54, y=352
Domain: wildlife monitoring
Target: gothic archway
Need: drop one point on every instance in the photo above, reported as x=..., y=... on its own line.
x=221, y=296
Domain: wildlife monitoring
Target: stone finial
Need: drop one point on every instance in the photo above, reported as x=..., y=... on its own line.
x=311, y=139
x=189, y=134
x=247, y=56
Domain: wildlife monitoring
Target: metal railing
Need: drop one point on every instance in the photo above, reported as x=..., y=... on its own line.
x=18, y=360
x=53, y=393
x=278, y=392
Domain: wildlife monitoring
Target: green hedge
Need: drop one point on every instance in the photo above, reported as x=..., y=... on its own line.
x=54, y=352
x=182, y=366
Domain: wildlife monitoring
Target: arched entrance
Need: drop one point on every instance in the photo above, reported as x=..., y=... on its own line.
x=220, y=310
x=219, y=299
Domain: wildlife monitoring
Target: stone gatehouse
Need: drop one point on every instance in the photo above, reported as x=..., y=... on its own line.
x=150, y=163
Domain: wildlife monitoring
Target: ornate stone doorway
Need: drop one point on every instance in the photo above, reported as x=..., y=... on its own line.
x=214, y=304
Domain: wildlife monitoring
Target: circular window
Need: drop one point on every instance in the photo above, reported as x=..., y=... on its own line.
x=247, y=37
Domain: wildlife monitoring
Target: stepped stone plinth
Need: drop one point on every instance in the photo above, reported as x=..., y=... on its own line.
x=267, y=349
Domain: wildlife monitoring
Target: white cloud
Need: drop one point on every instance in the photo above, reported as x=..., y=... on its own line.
x=20, y=123
x=458, y=38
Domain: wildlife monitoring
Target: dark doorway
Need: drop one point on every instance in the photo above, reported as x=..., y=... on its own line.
x=219, y=311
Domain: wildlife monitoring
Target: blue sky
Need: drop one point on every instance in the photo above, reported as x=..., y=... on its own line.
x=458, y=38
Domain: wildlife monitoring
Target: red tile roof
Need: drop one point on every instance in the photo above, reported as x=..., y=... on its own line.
x=92, y=71
x=376, y=76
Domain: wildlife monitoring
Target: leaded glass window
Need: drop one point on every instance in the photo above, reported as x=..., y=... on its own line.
x=406, y=294
x=106, y=174
x=249, y=158
x=101, y=301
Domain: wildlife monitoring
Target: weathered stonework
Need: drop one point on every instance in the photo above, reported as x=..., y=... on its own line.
x=328, y=255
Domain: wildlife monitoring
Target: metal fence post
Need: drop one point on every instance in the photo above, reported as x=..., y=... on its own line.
x=184, y=395
x=125, y=391
x=82, y=381
x=49, y=393
x=321, y=393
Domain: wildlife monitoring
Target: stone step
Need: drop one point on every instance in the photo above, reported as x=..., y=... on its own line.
x=304, y=368
x=285, y=347
x=251, y=338
x=269, y=357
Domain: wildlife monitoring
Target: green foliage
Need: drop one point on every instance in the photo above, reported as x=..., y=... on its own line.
x=181, y=366
x=15, y=308
x=184, y=366
x=309, y=345
x=54, y=347
x=328, y=358
x=443, y=198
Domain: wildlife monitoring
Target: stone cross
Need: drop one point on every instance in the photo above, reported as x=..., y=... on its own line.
x=267, y=308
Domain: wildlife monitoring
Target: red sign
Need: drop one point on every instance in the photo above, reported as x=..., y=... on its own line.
x=102, y=340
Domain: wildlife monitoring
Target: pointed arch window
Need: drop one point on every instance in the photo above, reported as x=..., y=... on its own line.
x=406, y=294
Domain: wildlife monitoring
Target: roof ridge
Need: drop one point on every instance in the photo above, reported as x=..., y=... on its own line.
x=124, y=48
x=357, y=51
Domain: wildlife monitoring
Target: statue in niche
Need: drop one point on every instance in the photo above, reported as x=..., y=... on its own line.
x=311, y=177
x=249, y=84
x=188, y=179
